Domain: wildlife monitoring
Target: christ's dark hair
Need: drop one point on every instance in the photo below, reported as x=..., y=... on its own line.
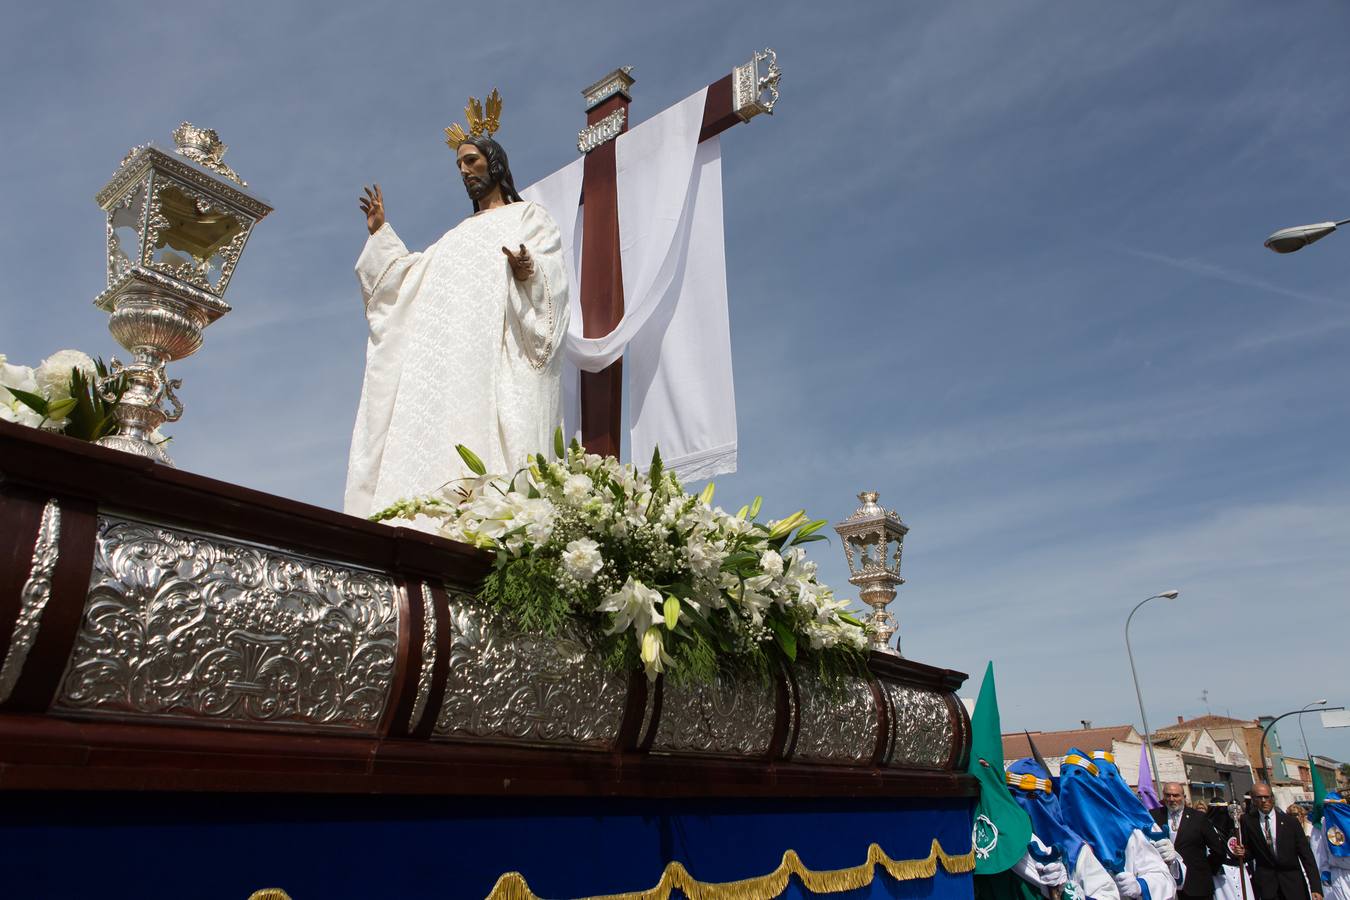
x=499, y=169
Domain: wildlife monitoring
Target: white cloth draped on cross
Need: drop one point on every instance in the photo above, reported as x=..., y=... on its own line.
x=675, y=334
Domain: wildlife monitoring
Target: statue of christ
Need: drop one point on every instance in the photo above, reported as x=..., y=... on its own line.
x=464, y=337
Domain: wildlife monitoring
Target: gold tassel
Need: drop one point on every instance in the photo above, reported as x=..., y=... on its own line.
x=512, y=886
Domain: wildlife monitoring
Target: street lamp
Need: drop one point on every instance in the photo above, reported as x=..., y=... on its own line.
x=1304, y=734
x=1293, y=712
x=1287, y=240
x=1148, y=740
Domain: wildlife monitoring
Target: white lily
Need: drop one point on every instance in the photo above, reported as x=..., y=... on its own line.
x=634, y=605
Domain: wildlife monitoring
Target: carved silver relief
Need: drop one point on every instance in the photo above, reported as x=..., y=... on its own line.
x=198, y=628
x=519, y=688
x=729, y=718
x=838, y=723
x=607, y=129
x=428, y=657
x=33, y=598
x=616, y=82
x=922, y=725
x=755, y=85
x=648, y=710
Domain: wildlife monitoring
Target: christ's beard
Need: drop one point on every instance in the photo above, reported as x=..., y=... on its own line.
x=478, y=188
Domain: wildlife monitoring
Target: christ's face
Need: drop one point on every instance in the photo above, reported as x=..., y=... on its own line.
x=473, y=168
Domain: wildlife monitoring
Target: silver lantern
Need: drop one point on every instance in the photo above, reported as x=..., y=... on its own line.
x=873, y=542
x=177, y=223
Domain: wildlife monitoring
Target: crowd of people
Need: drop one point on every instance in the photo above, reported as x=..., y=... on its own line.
x=1093, y=837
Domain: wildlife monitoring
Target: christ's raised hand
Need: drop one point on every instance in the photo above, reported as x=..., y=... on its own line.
x=372, y=204
x=522, y=264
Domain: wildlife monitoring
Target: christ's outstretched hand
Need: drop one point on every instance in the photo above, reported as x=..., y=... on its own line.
x=372, y=204
x=522, y=264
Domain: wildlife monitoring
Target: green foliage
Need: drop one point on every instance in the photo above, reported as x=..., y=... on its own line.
x=87, y=411
x=524, y=592
x=92, y=416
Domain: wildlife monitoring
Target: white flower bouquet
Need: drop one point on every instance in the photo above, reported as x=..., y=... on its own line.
x=652, y=575
x=62, y=395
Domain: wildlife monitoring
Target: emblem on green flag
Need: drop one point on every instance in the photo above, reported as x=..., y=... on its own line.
x=1002, y=829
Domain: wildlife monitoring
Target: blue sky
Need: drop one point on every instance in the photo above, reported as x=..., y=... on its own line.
x=1001, y=262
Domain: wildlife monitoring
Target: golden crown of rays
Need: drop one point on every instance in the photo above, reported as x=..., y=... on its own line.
x=478, y=122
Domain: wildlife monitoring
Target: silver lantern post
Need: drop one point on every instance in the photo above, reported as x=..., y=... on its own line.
x=873, y=542
x=177, y=224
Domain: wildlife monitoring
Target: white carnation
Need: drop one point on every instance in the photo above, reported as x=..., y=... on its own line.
x=577, y=488
x=582, y=559
x=771, y=564
x=53, y=375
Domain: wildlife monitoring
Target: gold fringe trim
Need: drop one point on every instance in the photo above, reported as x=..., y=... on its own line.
x=269, y=894
x=512, y=886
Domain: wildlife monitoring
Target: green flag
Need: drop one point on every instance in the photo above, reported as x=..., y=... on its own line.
x=1002, y=828
x=1319, y=793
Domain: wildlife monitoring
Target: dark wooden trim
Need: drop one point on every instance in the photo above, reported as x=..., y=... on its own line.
x=630, y=726
x=60, y=622
x=718, y=112
x=55, y=465
x=40, y=752
x=601, y=287
x=440, y=673
x=411, y=632
x=916, y=674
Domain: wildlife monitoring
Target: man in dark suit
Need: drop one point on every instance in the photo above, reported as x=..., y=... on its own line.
x=1195, y=840
x=1279, y=852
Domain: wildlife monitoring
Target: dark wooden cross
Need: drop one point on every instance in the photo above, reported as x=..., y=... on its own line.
x=750, y=89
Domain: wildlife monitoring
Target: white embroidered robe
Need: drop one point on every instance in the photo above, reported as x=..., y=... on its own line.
x=458, y=352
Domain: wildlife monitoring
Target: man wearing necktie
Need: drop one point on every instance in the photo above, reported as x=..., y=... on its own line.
x=1283, y=866
x=1196, y=842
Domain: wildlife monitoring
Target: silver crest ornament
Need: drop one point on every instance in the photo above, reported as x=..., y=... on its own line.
x=1335, y=836
x=984, y=836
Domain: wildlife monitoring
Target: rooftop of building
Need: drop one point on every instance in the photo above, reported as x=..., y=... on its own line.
x=1207, y=722
x=1054, y=744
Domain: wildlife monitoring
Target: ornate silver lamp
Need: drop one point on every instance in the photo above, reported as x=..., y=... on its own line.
x=177, y=224
x=873, y=541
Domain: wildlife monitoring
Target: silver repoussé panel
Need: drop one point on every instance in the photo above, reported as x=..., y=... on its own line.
x=33, y=598
x=838, y=722
x=209, y=630
x=510, y=687
x=425, y=673
x=729, y=718
x=922, y=725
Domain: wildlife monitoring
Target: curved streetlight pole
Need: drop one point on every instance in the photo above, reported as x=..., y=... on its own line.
x=1148, y=739
x=1301, y=733
x=1292, y=712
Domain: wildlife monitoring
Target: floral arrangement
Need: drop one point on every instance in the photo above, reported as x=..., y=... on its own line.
x=62, y=394
x=653, y=576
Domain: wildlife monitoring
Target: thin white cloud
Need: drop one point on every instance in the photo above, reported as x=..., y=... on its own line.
x=1231, y=276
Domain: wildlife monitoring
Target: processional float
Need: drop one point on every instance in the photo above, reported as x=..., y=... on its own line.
x=206, y=690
